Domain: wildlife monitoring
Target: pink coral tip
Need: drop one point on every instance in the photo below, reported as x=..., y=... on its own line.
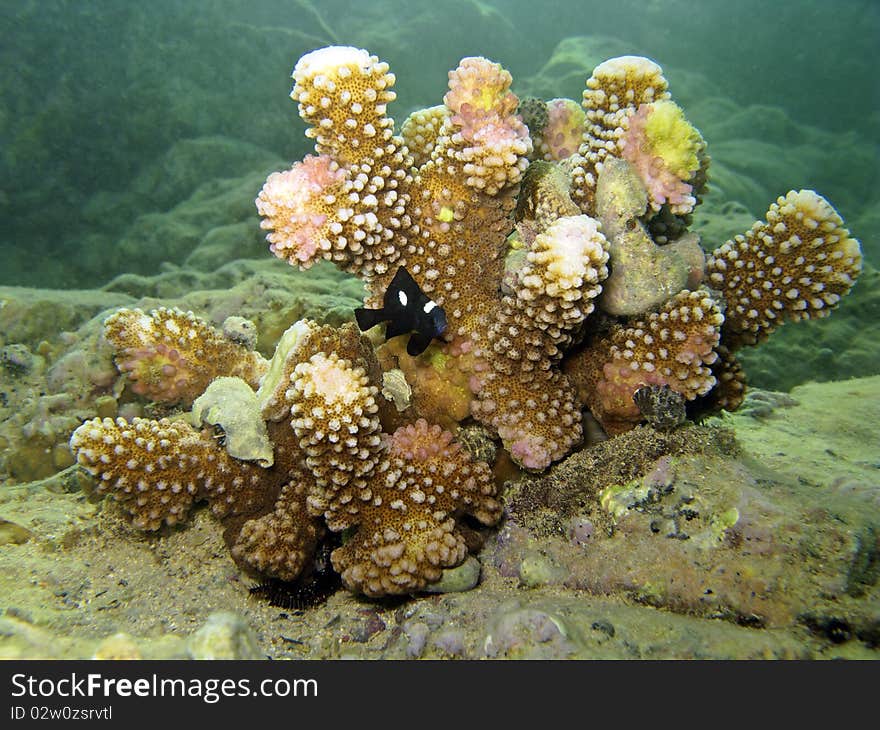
x=530, y=452
x=293, y=206
x=479, y=86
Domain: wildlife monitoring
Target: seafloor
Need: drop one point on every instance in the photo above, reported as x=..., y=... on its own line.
x=754, y=535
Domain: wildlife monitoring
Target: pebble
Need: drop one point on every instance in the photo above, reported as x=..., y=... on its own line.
x=241, y=330
x=527, y=633
x=367, y=624
x=580, y=531
x=417, y=636
x=450, y=642
x=223, y=636
x=455, y=580
x=17, y=359
x=13, y=534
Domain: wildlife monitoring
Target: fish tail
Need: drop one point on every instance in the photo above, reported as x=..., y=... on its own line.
x=368, y=318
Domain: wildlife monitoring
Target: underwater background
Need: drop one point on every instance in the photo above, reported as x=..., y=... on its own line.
x=134, y=138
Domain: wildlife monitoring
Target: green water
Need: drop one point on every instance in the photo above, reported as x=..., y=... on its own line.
x=97, y=94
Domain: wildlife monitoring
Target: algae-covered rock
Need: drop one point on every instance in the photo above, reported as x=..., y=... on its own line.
x=519, y=632
x=780, y=529
x=13, y=534
x=461, y=578
x=117, y=647
x=538, y=569
x=643, y=274
x=231, y=404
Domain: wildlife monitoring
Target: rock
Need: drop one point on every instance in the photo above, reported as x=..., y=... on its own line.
x=643, y=274
x=16, y=358
x=11, y=533
x=118, y=646
x=538, y=569
x=527, y=633
x=462, y=578
x=450, y=642
x=223, y=636
x=416, y=633
x=366, y=625
x=581, y=530
x=230, y=404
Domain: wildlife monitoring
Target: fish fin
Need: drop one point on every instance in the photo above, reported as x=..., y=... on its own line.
x=368, y=318
x=418, y=343
x=403, y=280
x=397, y=327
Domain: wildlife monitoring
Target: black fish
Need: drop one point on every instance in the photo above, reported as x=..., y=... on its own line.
x=406, y=308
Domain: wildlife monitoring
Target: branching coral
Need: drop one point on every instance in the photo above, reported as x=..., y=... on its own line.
x=407, y=532
x=514, y=306
x=449, y=231
x=319, y=405
x=560, y=135
x=567, y=282
x=421, y=130
x=522, y=395
x=170, y=356
x=673, y=346
x=795, y=265
x=403, y=496
x=345, y=204
x=665, y=150
x=614, y=92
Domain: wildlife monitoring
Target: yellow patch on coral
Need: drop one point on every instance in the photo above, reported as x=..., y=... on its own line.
x=489, y=97
x=437, y=357
x=674, y=138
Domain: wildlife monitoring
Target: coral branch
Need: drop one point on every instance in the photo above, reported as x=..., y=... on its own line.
x=795, y=265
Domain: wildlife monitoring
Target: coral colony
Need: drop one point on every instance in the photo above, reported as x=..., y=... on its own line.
x=553, y=236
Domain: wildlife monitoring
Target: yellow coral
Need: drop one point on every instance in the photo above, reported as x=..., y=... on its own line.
x=673, y=138
x=440, y=381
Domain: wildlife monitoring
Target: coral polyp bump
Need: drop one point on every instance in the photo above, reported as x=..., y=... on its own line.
x=537, y=241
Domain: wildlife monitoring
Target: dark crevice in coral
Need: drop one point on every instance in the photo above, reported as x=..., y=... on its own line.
x=311, y=589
